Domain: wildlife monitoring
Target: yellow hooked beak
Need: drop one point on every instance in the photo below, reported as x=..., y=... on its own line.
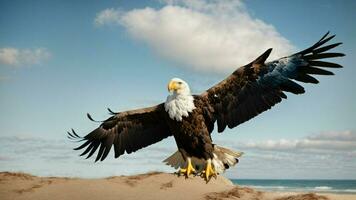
x=173, y=86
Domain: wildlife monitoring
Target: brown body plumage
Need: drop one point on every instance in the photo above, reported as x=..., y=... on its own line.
x=192, y=134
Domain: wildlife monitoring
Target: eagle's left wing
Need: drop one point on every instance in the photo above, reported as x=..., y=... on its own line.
x=127, y=131
x=256, y=87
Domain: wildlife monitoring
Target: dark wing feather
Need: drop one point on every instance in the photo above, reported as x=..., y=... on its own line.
x=256, y=87
x=126, y=131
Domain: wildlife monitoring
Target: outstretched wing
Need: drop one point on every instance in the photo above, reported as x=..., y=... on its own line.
x=127, y=131
x=256, y=87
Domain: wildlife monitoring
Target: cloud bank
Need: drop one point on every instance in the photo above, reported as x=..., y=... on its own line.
x=213, y=36
x=326, y=141
x=23, y=57
x=327, y=155
x=333, y=158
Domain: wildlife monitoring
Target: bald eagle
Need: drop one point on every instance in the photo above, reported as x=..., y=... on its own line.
x=247, y=92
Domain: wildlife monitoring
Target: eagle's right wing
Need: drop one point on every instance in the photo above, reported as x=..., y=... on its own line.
x=256, y=87
x=127, y=131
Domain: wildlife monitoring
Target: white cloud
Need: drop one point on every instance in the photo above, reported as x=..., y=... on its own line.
x=335, y=136
x=215, y=36
x=107, y=16
x=327, y=141
x=23, y=57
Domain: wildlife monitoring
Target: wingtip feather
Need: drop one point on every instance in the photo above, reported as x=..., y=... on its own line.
x=262, y=58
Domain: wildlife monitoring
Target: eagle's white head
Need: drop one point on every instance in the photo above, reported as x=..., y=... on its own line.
x=180, y=102
x=178, y=86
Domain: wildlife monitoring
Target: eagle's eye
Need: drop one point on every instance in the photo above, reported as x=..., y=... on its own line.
x=180, y=83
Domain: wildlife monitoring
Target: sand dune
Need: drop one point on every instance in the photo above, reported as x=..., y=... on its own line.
x=153, y=185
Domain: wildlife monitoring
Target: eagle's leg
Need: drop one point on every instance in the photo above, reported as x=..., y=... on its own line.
x=189, y=170
x=209, y=171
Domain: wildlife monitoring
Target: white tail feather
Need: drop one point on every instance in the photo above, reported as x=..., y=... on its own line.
x=223, y=159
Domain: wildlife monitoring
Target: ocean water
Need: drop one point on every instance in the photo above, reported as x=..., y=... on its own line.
x=320, y=186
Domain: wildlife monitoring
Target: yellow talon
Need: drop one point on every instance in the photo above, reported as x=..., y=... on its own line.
x=209, y=171
x=187, y=171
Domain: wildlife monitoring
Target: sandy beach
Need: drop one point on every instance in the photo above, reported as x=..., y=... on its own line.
x=153, y=185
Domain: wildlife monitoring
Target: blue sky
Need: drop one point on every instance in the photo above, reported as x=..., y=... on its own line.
x=61, y=59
